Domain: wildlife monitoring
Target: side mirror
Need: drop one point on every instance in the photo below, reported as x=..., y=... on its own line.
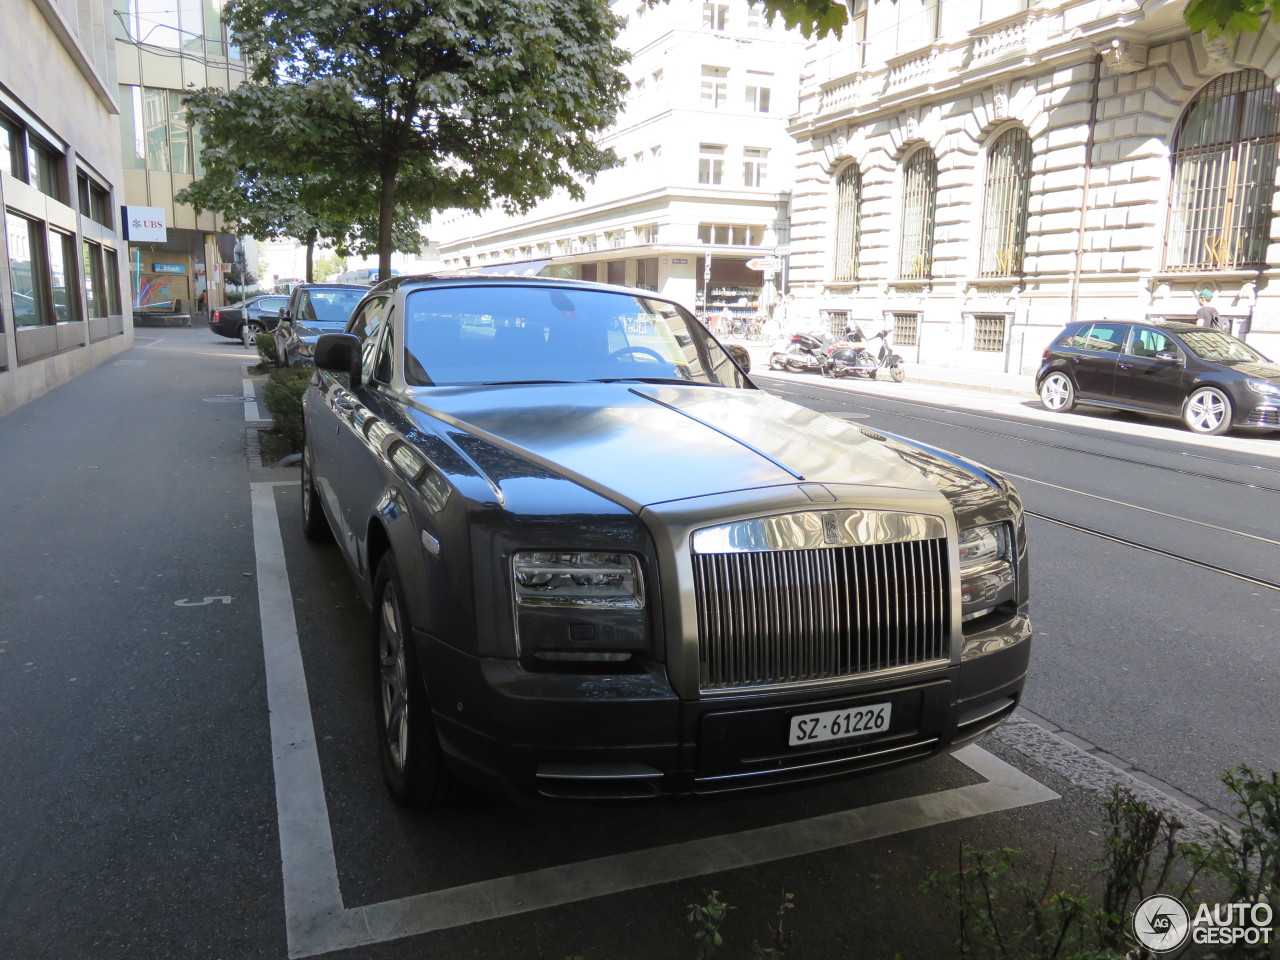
x=1170, y=356
x=284, y=314
x=339, y=352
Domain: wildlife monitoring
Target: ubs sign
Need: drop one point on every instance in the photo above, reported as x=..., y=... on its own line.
x=145, y=224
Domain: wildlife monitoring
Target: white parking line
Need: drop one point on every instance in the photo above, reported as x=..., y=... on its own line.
x=316, y=919
x=251, y=412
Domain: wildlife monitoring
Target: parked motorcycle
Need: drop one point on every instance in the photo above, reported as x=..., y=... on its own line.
x=801, y=352
x=853, y=358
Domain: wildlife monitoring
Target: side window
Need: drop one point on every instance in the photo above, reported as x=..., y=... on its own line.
x=1145, y=342
x=1075, y=340
x=1106, y=337
x=368, y=326
x=305, y=310
x=386, y=351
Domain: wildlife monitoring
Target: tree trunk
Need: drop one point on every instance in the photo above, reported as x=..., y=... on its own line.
x=386, y=217
x=312, y=235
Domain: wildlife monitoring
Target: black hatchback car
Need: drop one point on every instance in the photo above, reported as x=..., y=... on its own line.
x=1207, y=378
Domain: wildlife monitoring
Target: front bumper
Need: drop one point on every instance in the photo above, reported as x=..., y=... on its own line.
x=628, y=736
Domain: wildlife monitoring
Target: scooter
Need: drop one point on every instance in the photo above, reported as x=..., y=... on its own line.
x=853, y=358
x=801, y=352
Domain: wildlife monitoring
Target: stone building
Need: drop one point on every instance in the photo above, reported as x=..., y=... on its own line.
x=62, y=247
x=706, y=167
x=979, y=172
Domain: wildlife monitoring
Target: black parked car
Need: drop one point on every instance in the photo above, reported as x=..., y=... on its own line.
x=1207, y=377
x=249, y=319
x=603, y=565
x=313, y=309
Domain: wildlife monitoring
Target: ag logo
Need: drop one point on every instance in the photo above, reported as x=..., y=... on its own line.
x=1161, y=924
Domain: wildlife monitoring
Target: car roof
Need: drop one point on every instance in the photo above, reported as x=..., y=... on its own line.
x=1173, y=326
x=428, y=280
x=337, y=286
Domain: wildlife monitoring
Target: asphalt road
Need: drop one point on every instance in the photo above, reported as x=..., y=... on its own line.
x=1154, y=569
x=188, y=762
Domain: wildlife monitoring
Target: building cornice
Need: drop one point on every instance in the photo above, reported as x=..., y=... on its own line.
x=70, y=40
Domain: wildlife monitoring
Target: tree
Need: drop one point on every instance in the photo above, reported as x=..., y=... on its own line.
x=440, y=103
x=240, y=183
x=329, y=266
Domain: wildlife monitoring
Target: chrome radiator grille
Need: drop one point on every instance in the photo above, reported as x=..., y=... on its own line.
x=790, y=616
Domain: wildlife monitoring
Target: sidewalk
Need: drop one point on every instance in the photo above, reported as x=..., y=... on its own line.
x=988, y=381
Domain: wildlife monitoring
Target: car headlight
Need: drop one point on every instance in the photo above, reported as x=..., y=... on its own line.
x=608, y=581
x=986, y=569
x=1263, y=388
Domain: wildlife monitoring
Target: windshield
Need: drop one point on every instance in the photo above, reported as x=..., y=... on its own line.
x=1220, y=347
x=538, y=334
x=328, y=306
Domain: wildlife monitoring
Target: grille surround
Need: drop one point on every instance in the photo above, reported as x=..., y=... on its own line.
x=865, y=608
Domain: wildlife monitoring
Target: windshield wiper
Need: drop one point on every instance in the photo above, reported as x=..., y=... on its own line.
x=681, y=381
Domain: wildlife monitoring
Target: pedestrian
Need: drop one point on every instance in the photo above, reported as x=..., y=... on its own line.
x=1208, y=316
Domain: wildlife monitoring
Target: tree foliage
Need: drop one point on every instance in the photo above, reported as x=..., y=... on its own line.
x=412, y=106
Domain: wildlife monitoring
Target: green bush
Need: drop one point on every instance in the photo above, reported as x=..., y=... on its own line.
x=283, y=397
x=266, y=344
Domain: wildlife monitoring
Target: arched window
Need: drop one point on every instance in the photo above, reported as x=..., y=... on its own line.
x=848, y=223
x=919, y=206
x=1224, y=162
x=1008, y=190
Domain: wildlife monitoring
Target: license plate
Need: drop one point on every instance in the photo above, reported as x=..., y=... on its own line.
x=840, y=724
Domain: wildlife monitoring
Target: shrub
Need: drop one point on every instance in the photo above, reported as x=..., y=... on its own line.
x=283, y=397
x=266, y=344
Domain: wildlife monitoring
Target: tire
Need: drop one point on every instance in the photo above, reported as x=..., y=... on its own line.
x=1207, y=412
x=897, y=373
x=413, y=764
x=775, y=362
x=249, y=331
x=1058, y=393
x=315, y=525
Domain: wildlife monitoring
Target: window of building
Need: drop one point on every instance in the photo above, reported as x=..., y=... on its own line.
x=1224, y=160
x=44, y=168
x=715, y=15
x=179, y=134
x=62, y=276
x=758, y=91
x=637, y=158
x=616, y=239
x=919, y=206
x=710, y=163
x=758, y=18
x=647, y=234
x=715, y=86
x=94, y=199
x=906, y=329
x=193, y=26
x=111, y=288
x=155, y=131
x=637, y=87
x=754, y=166
x=616, y=272
x=988, y=332
x=857, y=31
x=731, y=234
x=848, y=223
x=11, y=147
x=655, y=152
x=647, y=273
x=28, y=271
x=1008, y=192
x=589, y=242
x=657, y=76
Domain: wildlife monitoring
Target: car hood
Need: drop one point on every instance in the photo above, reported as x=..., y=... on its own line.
x=642, y=444
x=1259, y=371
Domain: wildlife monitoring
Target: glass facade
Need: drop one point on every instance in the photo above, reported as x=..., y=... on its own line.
x=28, y=272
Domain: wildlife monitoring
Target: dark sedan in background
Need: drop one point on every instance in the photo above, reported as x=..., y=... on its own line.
x=603, y=565
x=249, y=319
x=313, y=309
x=1205, y=377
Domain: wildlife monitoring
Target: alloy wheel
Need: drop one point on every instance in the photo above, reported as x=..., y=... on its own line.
x=393, y=676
